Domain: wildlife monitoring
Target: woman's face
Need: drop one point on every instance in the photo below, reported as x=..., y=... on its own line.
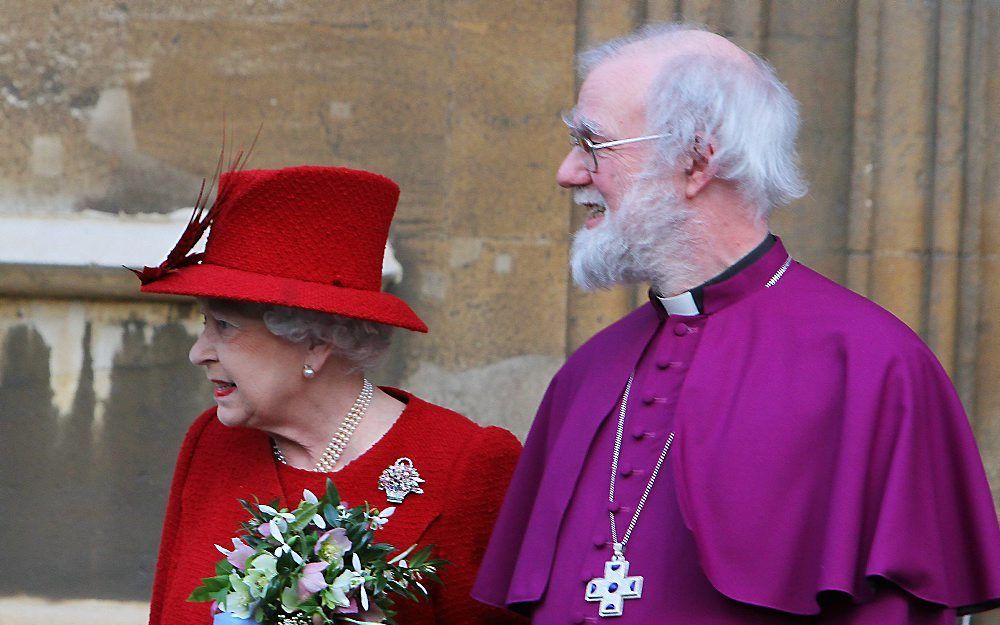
x=255, y=373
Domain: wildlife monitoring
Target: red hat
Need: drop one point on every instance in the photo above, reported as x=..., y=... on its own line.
x=306, y=237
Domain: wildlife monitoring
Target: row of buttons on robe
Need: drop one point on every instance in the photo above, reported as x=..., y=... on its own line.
x=626, y=470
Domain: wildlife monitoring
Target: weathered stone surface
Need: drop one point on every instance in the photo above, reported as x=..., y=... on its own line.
x=94, y=400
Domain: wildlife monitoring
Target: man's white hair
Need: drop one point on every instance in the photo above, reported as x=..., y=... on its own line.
x=748, y=115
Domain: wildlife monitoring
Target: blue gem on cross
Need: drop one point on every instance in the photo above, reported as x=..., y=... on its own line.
x=614, y=588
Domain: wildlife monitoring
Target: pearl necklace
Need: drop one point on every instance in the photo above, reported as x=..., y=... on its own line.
x=343, y=434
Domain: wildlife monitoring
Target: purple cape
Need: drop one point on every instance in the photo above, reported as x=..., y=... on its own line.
x=819, y=445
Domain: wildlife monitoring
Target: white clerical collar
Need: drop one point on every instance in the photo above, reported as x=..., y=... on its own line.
x=682, y=305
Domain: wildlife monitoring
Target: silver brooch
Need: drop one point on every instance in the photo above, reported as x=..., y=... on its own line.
x=399, y=480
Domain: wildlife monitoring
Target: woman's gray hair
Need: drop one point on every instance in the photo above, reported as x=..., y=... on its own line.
x=748, y=114
x=362, y=343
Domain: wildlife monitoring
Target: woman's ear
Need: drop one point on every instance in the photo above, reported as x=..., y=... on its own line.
x=318, y=355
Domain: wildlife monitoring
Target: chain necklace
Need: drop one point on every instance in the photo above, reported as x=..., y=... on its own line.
x=343, y=434
x=616, y=585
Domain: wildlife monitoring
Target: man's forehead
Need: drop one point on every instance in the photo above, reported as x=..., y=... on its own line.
x=612, y=98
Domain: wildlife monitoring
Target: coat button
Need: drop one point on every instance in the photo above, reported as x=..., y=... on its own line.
x=600, y=541
x=681, y=329
x=648, y=400
x=614, y=507
x=662, y=364
x=638, y=434
x=626, y=470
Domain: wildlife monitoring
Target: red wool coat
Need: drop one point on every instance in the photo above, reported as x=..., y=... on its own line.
x=466, y=469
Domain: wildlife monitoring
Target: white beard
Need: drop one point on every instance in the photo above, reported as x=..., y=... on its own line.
x=652, y=237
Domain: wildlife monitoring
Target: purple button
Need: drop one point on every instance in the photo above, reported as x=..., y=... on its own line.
x=600, y=541
x=648, y=400
x=663, y=364
x=681, y=329
x=614, y=507
x=638, y=434
x=626, y=469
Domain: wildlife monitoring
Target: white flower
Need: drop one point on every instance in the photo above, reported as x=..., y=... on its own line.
x=308, y=496
x=261, y=571
x=350, y=580
x=283, y=548
x=343, y=585
x=289, y=600
x=378, y=520
x=356, y=563
x=240, y=602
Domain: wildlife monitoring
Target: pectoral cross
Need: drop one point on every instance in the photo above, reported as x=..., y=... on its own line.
x=614, y=588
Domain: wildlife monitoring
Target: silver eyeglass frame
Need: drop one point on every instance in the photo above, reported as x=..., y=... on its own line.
x=590, y=148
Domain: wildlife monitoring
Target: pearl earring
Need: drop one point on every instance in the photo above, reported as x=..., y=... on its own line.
x=308, y=371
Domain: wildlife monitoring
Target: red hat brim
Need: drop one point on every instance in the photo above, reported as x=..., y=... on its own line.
x=207, y=280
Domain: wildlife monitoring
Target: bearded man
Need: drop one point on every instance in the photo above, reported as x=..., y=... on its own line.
x=757, y=444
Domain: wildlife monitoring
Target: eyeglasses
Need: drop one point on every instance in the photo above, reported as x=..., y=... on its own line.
x=590, y=148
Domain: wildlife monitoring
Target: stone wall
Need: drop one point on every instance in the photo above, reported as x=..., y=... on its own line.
x=116, y=110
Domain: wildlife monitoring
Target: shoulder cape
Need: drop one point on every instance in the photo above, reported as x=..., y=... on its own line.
x=819, y=445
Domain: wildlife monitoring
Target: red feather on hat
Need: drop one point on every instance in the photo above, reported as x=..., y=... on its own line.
x=200, y=218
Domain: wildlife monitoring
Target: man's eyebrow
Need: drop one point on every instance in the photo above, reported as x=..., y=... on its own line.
x=582, y=122
x=589, y=125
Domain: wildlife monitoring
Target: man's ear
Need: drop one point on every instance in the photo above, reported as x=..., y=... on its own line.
x=701, y=166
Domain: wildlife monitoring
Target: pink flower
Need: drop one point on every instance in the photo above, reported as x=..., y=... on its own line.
x=332, y=546
x=312, y=579
x=238, y=556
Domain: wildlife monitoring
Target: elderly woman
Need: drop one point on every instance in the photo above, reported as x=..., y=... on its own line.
x=289, y=285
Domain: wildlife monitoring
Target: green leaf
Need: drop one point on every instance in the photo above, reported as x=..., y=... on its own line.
x=332, y=496
x=200, y=594
x=330, y=514
x=211, y=584
x=223, y=567
x=220, y=595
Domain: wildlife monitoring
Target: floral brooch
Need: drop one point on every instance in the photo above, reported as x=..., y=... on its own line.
x=399, y=480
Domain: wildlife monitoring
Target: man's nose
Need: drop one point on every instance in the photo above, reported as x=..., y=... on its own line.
x=572, y=172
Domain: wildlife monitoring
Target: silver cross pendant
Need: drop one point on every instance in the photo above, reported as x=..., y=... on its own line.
x=614, y=588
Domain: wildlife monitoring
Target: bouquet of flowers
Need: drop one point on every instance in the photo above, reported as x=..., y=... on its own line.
x=316, y=564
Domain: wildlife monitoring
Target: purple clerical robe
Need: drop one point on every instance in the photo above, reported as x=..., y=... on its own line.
x=822, y=463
